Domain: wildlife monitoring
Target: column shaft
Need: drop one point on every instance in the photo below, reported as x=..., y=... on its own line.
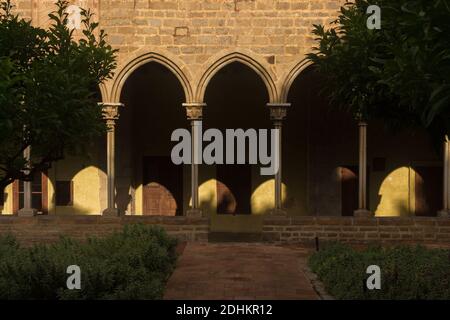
x=362, y=177
x=194, y=164
x=27, y=188
x=278, y=111
x=445, y=212
x=194, y=112
x=111, y=115
x=362, y=165
x=111, y=167
x=278, y=175
x=27, y=209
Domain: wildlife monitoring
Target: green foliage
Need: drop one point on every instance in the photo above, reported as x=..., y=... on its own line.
x=400, y=73
x=132, y=264
x=48, y=88
x=344, y=57
x=406, y=272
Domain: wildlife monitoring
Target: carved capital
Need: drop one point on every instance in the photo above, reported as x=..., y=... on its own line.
x=278, y=111
x=362, y=124
x=110, y=114
x=194, y=111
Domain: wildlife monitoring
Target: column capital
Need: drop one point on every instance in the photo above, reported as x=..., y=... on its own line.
x=362, y=123
x=110, y=113
x=194, y=111
x=278, y=111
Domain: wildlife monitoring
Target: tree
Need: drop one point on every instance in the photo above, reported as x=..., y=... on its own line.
x=399, y=73
x=48, y=85
x=417, y=39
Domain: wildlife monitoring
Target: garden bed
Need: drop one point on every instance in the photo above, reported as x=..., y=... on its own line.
x=407, y=272
x=132, y=264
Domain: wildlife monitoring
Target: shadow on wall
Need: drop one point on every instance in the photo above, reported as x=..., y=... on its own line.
x=75, y=210
x=214, y=194
x=395, y=194
x=411, y=191
x=263, y=197
x=226, y=200
x=4, y=198
x=87, y=178
x=87, y=174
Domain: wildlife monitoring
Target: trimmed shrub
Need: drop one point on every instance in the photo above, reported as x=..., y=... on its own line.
x=406, y=272
x=132, y=264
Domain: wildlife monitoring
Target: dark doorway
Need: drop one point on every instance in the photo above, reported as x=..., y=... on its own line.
x=162, y=187
x=234, y=189
x=428, y=190
x=2, y=198
x=349, y=190
x=153, y=98
x=236, y=97
x=317, y=139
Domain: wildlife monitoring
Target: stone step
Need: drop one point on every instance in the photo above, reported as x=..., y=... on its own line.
x=234, y=237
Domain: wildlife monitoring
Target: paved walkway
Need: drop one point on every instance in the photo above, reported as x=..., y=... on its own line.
x=239, y=271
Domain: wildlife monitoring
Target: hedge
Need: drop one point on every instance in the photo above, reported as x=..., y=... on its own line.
x=132, y=264
x=407, y=272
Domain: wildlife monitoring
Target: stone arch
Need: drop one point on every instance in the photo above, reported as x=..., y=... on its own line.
x=140, y=59
x=103, y=92
x=291, y=76
x=217, y=62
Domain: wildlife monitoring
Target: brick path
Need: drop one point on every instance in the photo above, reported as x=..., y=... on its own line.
x=239, y=271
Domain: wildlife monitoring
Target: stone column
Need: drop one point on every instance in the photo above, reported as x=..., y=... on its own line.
x=445, y=212
x=362, y=210
x=194, y=112
x=27, y=210
x=110, y=115
x=278, y=112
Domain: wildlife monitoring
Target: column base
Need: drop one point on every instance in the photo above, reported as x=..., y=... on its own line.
x=27, y=212
x=278, y=212
x=444, y=214
x=111, y=212
x=194, y=213
x=363, y=213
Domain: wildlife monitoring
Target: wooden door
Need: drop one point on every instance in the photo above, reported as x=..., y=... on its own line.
x=163, y=187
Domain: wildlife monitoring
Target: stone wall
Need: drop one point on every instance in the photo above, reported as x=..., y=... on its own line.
x=357, y=230
x=46, y=229
x=272, y=35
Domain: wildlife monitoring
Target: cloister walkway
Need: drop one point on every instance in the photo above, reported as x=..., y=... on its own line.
x=213, y=271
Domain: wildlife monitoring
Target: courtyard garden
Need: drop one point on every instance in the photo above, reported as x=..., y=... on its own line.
x=134, y=263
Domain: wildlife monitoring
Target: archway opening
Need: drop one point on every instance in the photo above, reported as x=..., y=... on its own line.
x=320, y=147
x=320, y=160
x=236, y=97
x=148, y=182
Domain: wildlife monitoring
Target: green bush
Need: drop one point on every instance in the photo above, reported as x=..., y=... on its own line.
x=132, y=264
x=406, y=272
